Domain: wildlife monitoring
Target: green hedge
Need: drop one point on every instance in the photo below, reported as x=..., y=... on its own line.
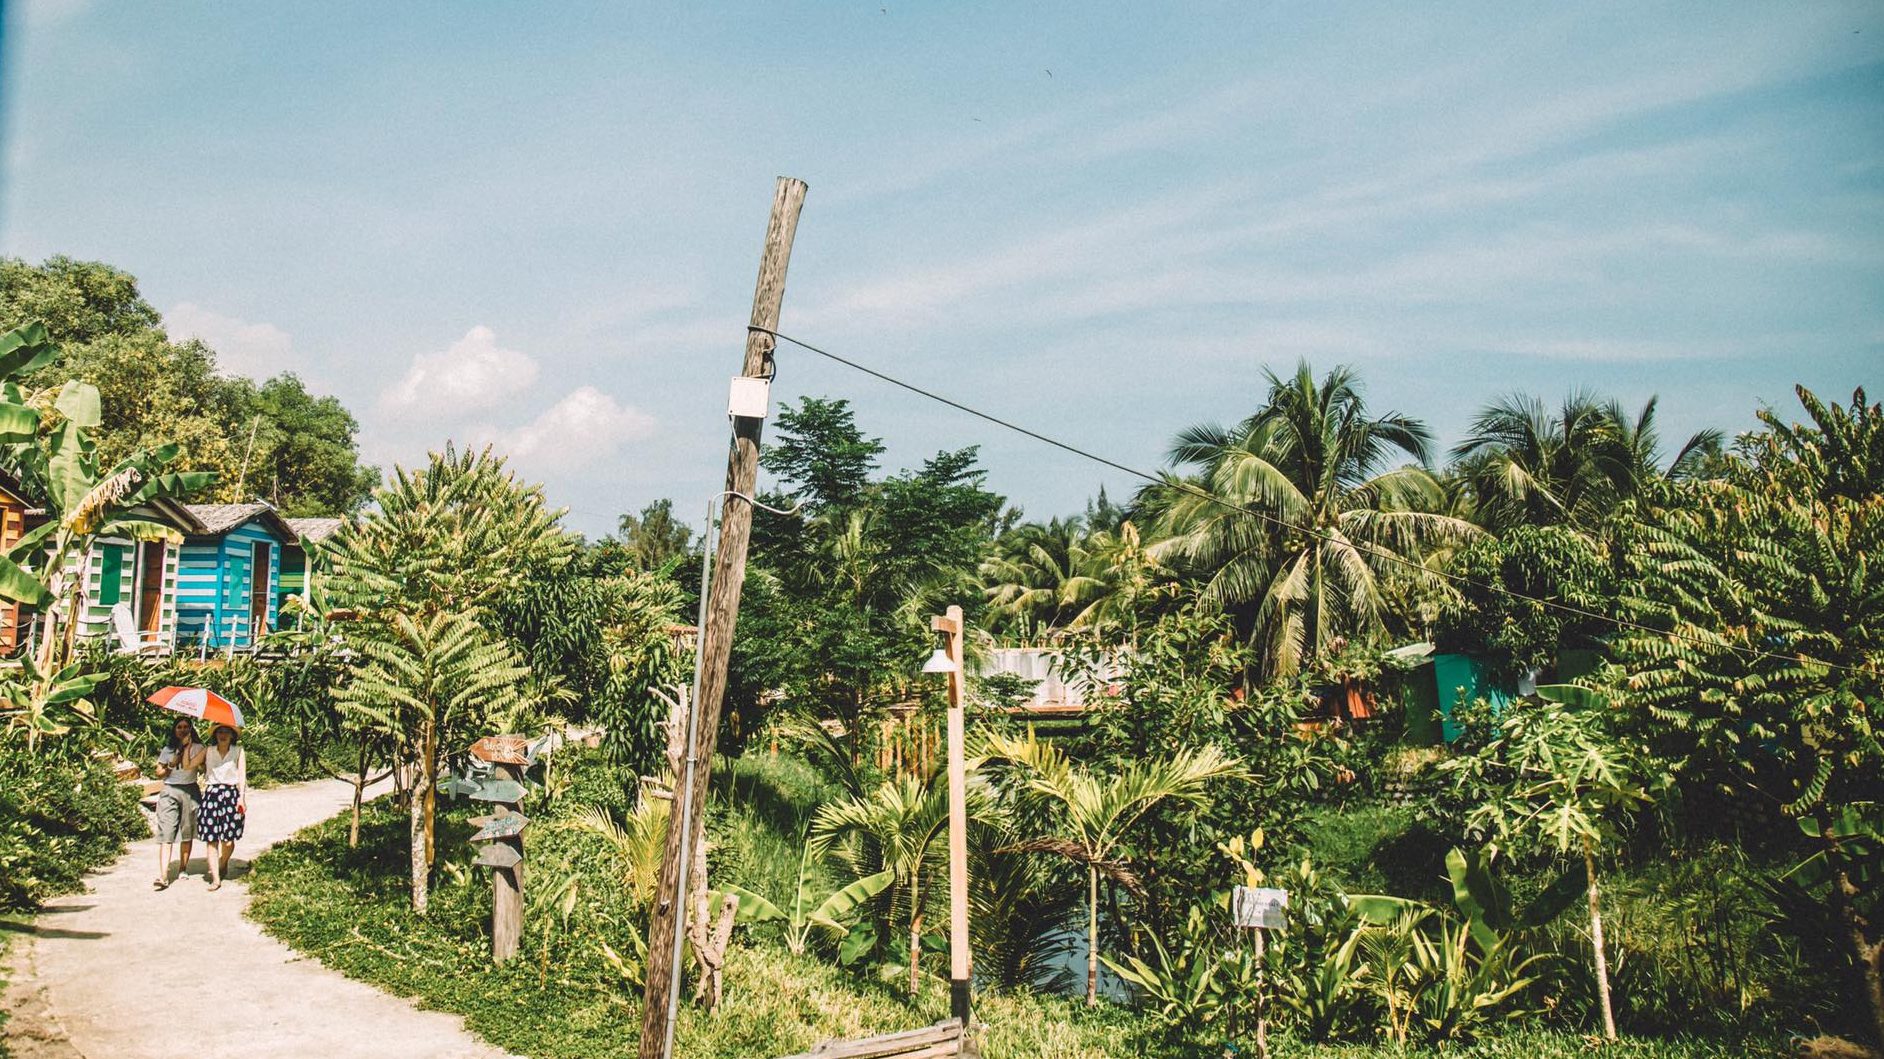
x=61, y=815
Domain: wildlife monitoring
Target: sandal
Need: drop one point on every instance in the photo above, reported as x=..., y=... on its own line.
x=160, y=883
x=217, y=885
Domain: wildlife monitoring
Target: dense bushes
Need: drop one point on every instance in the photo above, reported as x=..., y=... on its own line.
x=61, y=815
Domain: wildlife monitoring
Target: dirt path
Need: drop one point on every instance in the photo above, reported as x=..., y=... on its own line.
x=100, y=976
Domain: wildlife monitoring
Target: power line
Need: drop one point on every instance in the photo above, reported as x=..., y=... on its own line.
x=1180, y=485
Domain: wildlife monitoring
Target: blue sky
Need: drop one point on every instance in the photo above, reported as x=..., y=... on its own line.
x=539, y=224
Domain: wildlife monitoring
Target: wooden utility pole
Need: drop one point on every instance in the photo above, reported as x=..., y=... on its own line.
x=960, y=965
x=722, y=611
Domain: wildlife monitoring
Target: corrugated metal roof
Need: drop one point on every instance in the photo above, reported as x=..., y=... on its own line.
x=314, y=529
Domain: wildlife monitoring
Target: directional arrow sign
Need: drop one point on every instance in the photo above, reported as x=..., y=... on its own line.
x=503, y=749
x=498, y=791
x=498, y=855
x=505, y=826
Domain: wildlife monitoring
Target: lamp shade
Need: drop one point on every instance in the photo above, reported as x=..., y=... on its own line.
x=939, y=662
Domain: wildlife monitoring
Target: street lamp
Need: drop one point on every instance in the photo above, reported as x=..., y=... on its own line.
x=683, y=785
x=948, y=659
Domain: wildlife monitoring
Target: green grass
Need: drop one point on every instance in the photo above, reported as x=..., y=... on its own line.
x=563, y=999
x=10, y=924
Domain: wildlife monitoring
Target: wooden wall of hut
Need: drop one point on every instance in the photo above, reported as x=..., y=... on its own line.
x=907, y=741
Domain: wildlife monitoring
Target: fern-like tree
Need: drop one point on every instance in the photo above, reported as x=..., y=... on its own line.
x=430, y=680
x=1759, y=648
x=419, y=574
x=1095, y=810
x=900, y=826
x=1557, y=777
x=1295, y=517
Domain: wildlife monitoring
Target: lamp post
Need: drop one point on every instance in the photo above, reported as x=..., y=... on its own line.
x=948, y=659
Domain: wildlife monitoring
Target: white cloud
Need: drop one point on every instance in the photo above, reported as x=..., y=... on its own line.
x=258, y=350
x=474, y=374
x=580, y=430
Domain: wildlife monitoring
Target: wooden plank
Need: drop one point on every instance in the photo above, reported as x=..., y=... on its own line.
x=903, y=1043
x=507, y=749
x=499, y=855
x=507, y=825
x=498, y=791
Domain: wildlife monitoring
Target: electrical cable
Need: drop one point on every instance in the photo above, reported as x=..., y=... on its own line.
x=1180, y=485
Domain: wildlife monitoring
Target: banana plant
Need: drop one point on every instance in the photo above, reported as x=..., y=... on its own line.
x=807, y=910
x=55, y=459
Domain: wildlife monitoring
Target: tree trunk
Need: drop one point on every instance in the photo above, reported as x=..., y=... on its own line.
x=427, y=795
x=915, y=950
x=1092, y=937
x=1868, y=953
x=417, y=846
x=1596, y=943
x=359, y=794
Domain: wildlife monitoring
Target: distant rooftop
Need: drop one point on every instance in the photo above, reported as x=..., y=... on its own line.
x=313, y=530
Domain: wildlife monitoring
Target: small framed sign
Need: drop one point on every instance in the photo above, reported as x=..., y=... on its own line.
x=1260, y=907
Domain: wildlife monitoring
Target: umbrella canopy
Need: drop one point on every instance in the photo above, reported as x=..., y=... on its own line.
x=200, y=703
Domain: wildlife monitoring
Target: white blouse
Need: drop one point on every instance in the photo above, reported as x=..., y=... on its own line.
x=231, y=768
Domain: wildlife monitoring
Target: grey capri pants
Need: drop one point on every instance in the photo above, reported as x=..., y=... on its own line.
x=176, y=813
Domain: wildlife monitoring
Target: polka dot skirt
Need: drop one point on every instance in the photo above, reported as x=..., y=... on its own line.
x=218, y=820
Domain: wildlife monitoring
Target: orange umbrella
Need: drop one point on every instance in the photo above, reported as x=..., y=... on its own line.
x=200, y=703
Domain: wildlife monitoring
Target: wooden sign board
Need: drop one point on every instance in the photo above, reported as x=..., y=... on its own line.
x=499, y=855
x=1259, y=907
x=454, y=786
x=498, y=791
x=508, y=825
x=503, y=749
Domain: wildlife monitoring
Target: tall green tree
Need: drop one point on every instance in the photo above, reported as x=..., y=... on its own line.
x=1303, y=518
x=156, y=392
x=840, y=593
x=1559, y=778
x=1759, y=652
x=441, y=546
x=423, y=681
x=655, y=537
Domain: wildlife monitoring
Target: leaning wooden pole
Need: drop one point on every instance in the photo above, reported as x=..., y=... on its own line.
x=722, y=611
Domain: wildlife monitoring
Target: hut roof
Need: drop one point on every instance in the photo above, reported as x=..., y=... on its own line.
x=217, y=519
x=314, y=530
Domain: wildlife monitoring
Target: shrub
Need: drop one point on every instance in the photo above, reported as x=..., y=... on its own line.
x=62, y=814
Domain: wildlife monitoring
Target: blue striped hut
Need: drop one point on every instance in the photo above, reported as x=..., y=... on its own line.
x=228, y=574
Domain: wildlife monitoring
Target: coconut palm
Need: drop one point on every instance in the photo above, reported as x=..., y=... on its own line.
x=1293, y=518
x=1524, y=465
x=902, y=821
x=1097, y=810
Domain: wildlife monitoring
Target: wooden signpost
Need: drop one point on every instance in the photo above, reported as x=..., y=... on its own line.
x=1260, y=908
x=501, y=836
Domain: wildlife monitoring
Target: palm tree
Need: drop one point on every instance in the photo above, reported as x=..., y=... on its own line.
x=1523, y=465
x=1097, y=810
x=902, y=820
x=1290, y=513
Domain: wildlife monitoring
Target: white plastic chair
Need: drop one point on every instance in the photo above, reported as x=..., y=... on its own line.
x=135, y=641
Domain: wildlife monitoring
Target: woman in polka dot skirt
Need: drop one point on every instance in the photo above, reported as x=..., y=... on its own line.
x=225, y=800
